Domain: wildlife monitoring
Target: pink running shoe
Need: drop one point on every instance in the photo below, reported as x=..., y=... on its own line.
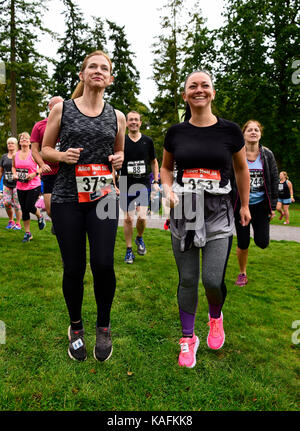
x=242, y=280
x=216, y=335
x=10, y=225
x=187, y=355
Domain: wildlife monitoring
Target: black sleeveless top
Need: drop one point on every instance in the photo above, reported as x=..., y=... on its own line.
x=96, y=135
x=283, y=190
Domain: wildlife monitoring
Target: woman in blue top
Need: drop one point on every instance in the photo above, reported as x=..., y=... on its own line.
x=263, y=196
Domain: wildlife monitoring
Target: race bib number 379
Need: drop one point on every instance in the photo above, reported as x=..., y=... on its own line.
x=93, y=181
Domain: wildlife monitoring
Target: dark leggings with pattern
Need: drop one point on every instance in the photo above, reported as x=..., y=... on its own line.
x=72, y=223
x=214, y=262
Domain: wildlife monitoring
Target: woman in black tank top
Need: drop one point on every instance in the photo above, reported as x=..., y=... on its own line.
x=91, y=135
x=285, y=197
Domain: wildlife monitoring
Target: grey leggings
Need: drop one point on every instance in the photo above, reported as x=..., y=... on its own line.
x=214, y=261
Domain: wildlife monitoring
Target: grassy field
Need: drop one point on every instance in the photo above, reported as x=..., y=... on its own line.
x=256, y=370
x=294, y=211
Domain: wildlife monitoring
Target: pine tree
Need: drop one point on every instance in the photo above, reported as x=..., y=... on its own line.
x=74, y=46
x=26, y=72
x=167, y=64
x=123, y=93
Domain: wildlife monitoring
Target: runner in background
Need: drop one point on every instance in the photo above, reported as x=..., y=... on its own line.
x=10, y=195
x=204, y=147
x=285, y=196
x=49, y=170
x=91, y=134
x=139, y=155
x=26, y=172
x=263, y=196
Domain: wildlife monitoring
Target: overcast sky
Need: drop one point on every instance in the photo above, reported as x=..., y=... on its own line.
x=142, y=24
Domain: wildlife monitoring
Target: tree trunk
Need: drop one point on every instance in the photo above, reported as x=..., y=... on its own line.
x=13, y=101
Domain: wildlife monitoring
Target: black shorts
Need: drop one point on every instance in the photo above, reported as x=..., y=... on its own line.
x=136, y=195
x=48, y=183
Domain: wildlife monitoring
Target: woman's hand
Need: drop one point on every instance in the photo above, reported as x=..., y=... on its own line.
x=116, y=160
x=245, y=216
x=71, y=156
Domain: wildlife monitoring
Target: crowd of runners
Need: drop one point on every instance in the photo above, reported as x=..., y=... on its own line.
x=215, y=178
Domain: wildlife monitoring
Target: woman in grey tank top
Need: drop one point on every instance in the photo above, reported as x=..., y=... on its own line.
x=91, y=135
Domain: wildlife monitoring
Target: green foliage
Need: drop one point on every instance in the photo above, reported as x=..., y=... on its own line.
x=259, y=42
x=76, y=43
x=123, y=92
x=185, y=45
x=26, y=69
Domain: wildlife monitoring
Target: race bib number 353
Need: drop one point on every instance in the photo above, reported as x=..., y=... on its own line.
x=93, y=181
x=201, y=179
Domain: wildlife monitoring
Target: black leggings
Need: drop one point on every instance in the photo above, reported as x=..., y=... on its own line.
x=72, y=221
x=260, y=221
x=27, y=199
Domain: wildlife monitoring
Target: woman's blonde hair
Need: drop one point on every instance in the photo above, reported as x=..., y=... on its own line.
x=12, y=140
x=79, y=88
x=252, y=121
x=285, y=174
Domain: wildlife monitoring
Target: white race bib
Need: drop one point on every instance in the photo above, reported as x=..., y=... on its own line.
x=198, y=179
x=136, y=167
x=22, y=175
x=93, y=181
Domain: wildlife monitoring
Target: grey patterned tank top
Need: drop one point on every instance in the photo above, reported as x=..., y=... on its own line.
x=96, y=135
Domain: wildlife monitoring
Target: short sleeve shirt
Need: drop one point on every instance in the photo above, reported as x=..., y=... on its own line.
x=137, y=159
x=6, y=164
x=209, y=147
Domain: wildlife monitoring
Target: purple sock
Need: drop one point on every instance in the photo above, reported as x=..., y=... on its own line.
x=215, y=310
x=187, y=322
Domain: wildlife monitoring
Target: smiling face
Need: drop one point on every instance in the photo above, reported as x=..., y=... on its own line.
x=199, y=91
x=133, y=122
x=24, y=140
x=12, y=145
x=97, y=72
x=252, y=133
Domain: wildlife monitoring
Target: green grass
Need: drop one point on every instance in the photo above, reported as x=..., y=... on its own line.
x=256, y=370
x=294, y=211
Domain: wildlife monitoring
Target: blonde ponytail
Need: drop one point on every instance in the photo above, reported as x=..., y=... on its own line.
x=78, y=90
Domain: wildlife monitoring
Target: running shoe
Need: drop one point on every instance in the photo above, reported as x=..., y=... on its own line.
x=103, y=348
x=286, y=222
x=10, y=225
x=27, y=237
x=242, y=280
x=77, y=349
x=281, y=217
x=141, y=248
x=17, y=226
x=187, y=355
x=216, y=335
x=42, y=222
x=129, y=257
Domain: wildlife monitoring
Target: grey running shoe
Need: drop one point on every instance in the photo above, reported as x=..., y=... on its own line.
x=77, y=349
x=103, y=348
x=141, y=248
